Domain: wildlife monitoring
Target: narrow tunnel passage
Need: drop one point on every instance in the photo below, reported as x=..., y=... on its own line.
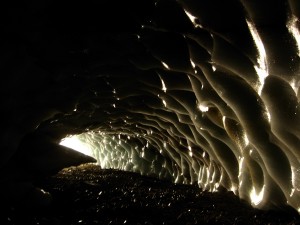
x=201, y=93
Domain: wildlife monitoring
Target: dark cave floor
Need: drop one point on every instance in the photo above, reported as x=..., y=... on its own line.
x=89, y=195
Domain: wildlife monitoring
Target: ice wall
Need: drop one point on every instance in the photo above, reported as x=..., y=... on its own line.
x=217, y=106
x=193, y=91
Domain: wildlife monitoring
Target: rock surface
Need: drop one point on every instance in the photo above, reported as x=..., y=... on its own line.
x=89, y=195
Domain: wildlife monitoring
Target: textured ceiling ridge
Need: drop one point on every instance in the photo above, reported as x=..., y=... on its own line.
x=202, y=92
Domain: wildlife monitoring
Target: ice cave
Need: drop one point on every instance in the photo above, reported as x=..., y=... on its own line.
x=194, y=92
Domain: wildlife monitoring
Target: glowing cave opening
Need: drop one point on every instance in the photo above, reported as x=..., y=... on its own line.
x=75, y=143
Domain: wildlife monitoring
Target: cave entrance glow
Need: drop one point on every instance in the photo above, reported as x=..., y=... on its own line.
x=75, y=143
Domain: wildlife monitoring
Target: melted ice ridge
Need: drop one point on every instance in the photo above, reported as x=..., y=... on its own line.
x=203, y=92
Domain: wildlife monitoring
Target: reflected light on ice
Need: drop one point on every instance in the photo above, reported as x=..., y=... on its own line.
x=292, y=27
x=164, y=88
x=165, y=65
x=261, y=69
x=256, y=198
x=203, y=108
x=193, y=64
x=295, y=85
x=165, y=103
x=246, y=140
x=294, y=31
x=193, y=19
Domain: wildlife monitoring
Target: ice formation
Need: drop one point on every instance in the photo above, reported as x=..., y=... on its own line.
x=202, y=92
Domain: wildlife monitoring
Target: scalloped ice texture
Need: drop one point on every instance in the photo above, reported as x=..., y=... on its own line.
x=191, y=91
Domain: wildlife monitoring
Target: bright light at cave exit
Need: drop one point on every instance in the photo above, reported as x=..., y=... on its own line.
x=75, y=143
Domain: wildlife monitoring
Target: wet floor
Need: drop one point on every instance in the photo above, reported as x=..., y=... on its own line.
x=89, y=195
